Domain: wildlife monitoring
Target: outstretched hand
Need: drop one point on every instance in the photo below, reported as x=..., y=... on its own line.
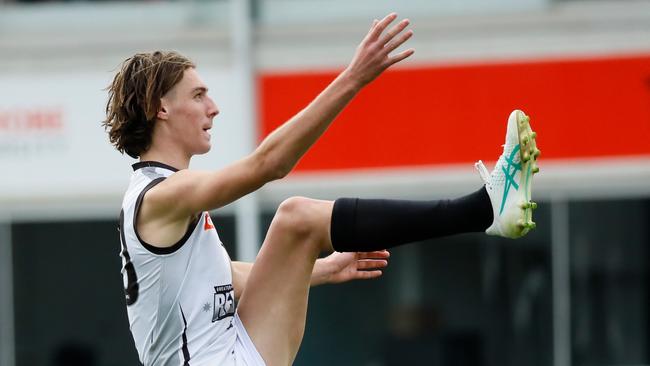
x=343, y=267
x=373, y=54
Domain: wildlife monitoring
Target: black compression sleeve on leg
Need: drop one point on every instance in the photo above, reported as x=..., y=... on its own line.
x=360, y=225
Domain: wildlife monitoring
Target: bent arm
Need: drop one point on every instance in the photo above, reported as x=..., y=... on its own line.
x=335, y=268
x=241, y=271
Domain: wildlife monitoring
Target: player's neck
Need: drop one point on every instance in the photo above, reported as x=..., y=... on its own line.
x=168, y=156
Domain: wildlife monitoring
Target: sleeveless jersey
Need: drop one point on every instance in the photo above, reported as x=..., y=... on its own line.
x=180, y=300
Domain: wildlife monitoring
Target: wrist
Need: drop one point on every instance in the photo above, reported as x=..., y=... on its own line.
x=351, y=80
x=322, y=273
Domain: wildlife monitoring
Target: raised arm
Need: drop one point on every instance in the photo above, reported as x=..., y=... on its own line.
x=286, y=145
x=168, y=207
x=280, y=151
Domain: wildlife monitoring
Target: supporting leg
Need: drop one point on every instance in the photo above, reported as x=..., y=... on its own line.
x=273, y=306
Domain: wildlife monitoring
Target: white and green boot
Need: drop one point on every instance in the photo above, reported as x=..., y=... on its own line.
x=509, y=184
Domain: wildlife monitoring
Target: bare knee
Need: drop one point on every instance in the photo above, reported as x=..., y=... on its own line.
x=301, y=218
x=294, y=216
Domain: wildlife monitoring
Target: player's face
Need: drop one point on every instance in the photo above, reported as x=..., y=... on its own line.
x=190, y=112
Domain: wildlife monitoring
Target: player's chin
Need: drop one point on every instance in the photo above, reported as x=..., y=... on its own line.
x=204, y=148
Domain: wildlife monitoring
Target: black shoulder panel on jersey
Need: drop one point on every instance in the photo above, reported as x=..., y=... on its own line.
x=154, y=249
x=132, y=287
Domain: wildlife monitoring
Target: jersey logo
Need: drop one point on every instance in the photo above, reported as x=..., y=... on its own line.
x=224, y=302
x=208, y=222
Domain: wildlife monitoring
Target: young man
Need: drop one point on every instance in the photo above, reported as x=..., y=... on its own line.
x=180, y=284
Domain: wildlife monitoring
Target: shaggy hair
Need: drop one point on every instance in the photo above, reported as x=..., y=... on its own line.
x=134, y=98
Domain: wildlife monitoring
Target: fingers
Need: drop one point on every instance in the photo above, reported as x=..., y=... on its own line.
x=380, y=26
x=378, y=254
x=395, y=30
x=370, y=32
x=367, y=275
x=393, y=37
x=400, y=56
x=371, y=264
x=390, y=47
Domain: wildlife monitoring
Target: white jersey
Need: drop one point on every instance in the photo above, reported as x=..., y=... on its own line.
x=180, y=300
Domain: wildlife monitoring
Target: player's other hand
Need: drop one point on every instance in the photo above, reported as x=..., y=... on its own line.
x=373, y=55
x=343, y=267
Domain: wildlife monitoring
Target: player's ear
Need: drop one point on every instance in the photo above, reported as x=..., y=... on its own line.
x=163, y=112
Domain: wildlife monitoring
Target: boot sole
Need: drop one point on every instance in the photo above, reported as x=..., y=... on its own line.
x=528, y=153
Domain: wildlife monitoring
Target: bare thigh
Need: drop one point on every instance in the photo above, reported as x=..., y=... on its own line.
x=273, y=306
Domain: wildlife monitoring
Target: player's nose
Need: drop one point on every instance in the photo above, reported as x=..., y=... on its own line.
x=213, y=110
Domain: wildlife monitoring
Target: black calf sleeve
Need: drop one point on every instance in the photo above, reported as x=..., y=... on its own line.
x=361, y=225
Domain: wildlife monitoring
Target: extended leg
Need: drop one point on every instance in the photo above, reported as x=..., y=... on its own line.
x=372, y=224
x=273, y=305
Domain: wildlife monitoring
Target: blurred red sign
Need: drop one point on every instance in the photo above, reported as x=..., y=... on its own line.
x=580, y=107
x=36, y=119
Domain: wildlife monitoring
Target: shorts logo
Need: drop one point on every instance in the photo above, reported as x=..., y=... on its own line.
x=224, y=302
